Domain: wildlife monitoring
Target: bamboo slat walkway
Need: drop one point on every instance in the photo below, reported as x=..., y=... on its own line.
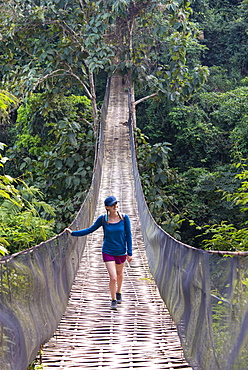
x=140, y=334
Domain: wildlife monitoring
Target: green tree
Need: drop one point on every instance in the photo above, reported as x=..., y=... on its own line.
x=21, y=224
x=52, y=43
x=53, y=144
x=208, y=131
x=229, y=237
x=155, y=174
x=224, y=26
x=226, y=236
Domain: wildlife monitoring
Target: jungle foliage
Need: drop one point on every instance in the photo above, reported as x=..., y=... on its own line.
x=52, y=53
x=207, y=136
x=54, y=146
x=21, y=206
x=192, y=128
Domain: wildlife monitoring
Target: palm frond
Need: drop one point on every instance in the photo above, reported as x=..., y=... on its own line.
x=6, y=100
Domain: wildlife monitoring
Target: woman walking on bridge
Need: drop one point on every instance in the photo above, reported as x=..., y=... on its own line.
x=117, y=245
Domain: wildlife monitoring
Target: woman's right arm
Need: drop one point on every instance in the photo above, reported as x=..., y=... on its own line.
x=87, y=231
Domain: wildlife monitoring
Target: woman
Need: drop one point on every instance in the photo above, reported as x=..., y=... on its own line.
x=117, y=245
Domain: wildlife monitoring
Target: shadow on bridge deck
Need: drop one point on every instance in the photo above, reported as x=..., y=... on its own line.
x=141, y=334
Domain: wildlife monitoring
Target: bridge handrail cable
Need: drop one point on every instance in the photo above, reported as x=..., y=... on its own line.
x=205, y=292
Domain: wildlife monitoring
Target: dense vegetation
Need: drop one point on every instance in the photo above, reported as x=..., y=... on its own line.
x=205, y=190
x=191, y=134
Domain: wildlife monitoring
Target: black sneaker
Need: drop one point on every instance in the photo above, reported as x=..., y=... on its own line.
x=113, y=305
x=118, y=298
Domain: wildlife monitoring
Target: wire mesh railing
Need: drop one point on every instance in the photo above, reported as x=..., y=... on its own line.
x=205, y=292
x=36, y=283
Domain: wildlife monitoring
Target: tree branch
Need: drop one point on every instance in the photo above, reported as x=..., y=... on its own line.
x=48, y=76
x=81, y=4
x=89, y=123
x=69, y=29
x=68, y=72
x=81, y=82
x=145, y=98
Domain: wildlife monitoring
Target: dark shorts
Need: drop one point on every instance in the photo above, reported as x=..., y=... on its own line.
x=118, y=259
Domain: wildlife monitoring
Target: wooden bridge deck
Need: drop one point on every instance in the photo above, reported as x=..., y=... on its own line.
x=140, y=334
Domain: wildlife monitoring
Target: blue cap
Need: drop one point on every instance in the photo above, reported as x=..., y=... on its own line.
x=110, y=201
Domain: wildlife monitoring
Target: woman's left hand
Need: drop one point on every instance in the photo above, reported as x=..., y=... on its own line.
x=129, y=259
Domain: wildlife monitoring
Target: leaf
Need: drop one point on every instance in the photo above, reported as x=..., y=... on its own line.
x=72, y=138
x=4, y=194
x=58, y=164
x=70, y=162
x=3, y=250
x=2, y=146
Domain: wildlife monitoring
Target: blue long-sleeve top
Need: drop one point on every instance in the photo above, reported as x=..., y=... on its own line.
x=117, y=239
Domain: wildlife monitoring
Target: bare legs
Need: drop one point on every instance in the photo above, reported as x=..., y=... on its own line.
x=115, y=277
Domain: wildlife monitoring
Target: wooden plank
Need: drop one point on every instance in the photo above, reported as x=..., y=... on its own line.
x=141, y=334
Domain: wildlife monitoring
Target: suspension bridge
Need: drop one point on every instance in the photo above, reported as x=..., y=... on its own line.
x=182, y=308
